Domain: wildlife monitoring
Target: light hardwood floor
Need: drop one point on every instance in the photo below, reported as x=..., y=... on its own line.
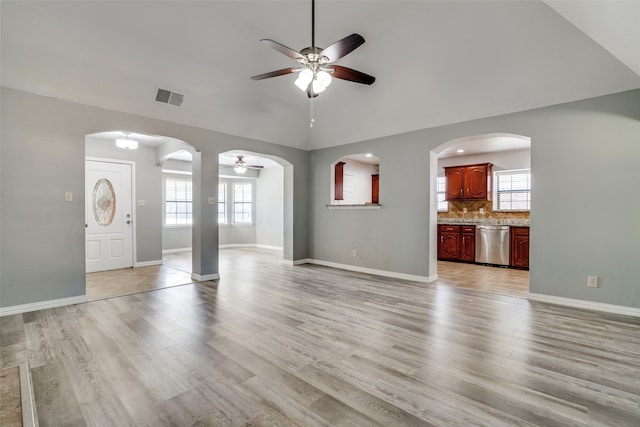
x=176, y=270
x=274, y=344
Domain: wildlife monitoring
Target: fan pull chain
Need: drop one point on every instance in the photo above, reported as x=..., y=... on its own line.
x=311, y=118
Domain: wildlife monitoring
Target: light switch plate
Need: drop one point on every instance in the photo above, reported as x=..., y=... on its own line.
x=141, y=202
x=68, y=196
x=212, y=200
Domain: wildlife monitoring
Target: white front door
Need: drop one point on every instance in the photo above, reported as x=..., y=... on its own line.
x=108, y=216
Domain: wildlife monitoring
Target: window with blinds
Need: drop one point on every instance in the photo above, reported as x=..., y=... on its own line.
x=443, y=205
x=178, y=201
x=512, y=190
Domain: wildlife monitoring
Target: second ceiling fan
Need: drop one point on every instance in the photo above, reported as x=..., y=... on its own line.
x=316, y=65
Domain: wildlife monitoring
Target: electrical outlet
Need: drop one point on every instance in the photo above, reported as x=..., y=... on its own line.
x=592, y=281
x=481, y=210
x=68, y=196
x=464, y=210
x=354, y=253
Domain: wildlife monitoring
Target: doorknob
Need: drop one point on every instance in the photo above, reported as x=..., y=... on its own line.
x=128, y=221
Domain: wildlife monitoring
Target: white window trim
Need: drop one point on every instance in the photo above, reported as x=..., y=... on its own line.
x=233, y=204
x=444, y=191
x=168, y=175
x=496, y=194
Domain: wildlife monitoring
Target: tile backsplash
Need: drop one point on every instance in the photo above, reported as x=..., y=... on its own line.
x=456, y=211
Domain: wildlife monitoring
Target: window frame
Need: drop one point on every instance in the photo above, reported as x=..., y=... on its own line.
x=441, y=181
x=497, y=192
x=251, y=203
x=188, y=215
x=223, y=201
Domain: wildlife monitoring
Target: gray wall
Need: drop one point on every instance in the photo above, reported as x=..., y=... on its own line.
x=148, y=187
x=269, y=207
x=43, y=156
x=584, y=159
x=502, y=160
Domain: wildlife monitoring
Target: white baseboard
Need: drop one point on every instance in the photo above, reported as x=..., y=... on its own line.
x=174, y=251
x=41, y=305
x=29, y=414
x=205, y=277
x=148, y=263
x=385, y=273
x=589, y=305
x=249, y=245
x=275, y=248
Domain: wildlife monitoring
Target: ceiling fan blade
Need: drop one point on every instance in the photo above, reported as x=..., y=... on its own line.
x=275, y=73
x=254, y=166
x=283, y=49
x=345, y=73
x=342, y=47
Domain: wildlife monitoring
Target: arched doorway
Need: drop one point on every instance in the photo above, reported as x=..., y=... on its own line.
x=505, y=210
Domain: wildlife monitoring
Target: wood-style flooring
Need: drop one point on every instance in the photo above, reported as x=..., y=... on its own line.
x=275, y=344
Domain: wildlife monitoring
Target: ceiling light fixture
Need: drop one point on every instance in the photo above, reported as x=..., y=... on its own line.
x=126, y=143
x=460, y=151
x=240, y=168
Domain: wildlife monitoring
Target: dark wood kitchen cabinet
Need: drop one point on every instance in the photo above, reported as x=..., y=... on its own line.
x=519, y=256
x=448, y=242
x=468, y=182
x=468, y=243
x=456, y=242
x=338, y=181
x=375, y=189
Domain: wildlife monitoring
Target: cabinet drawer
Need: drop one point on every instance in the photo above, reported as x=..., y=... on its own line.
x=449, y=228
x=468, y=228
x=521, y=231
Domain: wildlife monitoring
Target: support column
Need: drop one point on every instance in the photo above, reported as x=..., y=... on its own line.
x=205, y=216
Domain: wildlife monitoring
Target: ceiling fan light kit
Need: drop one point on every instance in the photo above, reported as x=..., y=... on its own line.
x=126, y=143
x=241, y=166
x=316, y=70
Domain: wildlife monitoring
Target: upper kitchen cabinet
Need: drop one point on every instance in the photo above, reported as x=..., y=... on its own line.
x=468, y=182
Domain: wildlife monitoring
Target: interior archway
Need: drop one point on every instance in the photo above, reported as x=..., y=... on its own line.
x=508, y=153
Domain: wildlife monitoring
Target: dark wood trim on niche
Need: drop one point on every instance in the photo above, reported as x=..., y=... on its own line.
x=375, y=189
x=339, y=181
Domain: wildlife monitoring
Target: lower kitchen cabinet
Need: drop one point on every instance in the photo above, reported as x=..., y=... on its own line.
x=519, y=256
x=468, y=243
x=456, y=242
x=448, y=242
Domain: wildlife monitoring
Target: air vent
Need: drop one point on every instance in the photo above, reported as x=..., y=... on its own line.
x=169, y=97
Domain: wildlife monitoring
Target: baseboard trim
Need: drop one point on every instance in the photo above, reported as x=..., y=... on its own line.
x=385, y=273
x=41, y=305
x=174, y=251
x=29, y=414
x=275, y=248
x=250, y=245
x=589, y=305
x=204, y=277
x=148, y=263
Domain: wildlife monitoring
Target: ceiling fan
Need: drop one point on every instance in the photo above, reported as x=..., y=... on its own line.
x=241, y=166
x=316, y=67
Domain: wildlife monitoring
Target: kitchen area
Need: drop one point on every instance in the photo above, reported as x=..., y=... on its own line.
x=484, y=200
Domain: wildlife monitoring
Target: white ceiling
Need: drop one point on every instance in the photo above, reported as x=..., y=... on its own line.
x=435, y=62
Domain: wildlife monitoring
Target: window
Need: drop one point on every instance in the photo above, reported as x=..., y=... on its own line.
x=178, y=198
x=222, y=203
x=242, y=203
x=513, y=190
x=443, y=205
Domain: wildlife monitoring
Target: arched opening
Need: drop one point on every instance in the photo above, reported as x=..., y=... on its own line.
x=355, y=180
x=144, y=217
x=474, y=233
x=252, y=206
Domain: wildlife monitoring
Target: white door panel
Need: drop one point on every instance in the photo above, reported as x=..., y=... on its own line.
x=109, y=229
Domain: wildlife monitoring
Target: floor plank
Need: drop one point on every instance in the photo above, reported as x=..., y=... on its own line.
x=275, y=344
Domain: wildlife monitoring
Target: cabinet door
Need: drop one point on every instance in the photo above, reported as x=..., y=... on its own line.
x=375, y=189
x=476, y=182
x=520, y=247
x=449, y=242
x=339, y=181
x=454, y=178
x=468, y=244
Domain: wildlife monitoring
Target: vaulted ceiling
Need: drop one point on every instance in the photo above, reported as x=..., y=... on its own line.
x=435, y=62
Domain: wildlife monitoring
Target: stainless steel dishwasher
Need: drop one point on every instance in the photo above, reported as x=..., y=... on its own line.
x=492, y=244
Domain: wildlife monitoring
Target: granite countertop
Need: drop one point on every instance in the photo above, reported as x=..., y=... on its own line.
x=485, y=221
